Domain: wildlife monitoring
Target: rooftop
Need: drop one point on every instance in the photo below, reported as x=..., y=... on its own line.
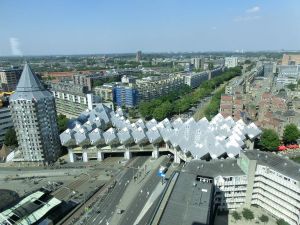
x=190, y=202
x=277, y=162
x=214, y=168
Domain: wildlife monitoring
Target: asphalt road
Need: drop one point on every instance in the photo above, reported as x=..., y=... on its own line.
x=132, y=212
x=104, y=212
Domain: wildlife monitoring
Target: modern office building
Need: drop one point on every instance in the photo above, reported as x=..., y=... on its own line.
x=34, y=118
x=195, y=79
x=291, y=71
x=125, y=96
x=231, y=62
x=71, y=99
x=5, y=122
x=155, y=86
x=105, y=92
x=9, y=78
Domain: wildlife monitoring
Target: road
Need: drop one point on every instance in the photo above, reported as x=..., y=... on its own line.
x=132, y=212
x=102, y=214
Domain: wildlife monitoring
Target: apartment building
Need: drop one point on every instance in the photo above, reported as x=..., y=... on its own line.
x=72, y=99
x=155, y=86
x=229, y=180
x=273, y=184
x=9, y=78
x=195, y=79
x=34, y=118
x=231, y=62
x=105, y=92
x=5, y=122
x=125, y=96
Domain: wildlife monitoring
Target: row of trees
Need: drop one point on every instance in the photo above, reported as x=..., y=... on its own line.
x=270, y=140
x=212, y=108
x=183, y=99
x=249, y=215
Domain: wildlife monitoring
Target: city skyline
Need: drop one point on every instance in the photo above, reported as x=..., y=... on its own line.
x=126, y=27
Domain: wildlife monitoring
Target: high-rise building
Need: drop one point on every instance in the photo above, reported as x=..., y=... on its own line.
x=34, y=118
x=138, y=56
x=9, y=78
x=231, y=62
x=197, y=62
x=125, y=96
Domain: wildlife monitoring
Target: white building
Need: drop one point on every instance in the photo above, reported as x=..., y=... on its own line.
x=34, y=118
x=273, y=184
x=195, y=79
x=231, y=62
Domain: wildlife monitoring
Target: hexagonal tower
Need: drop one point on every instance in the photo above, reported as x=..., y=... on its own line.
x=34, y=117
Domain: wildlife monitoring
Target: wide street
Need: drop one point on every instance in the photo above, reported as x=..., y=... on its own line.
x=101, y=213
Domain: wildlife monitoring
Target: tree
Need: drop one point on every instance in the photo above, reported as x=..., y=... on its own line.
x=10, y=138
x=281, y=222
x=269, y=140
x=62, y=123
x=210, y=66
x=291, y=133
x=264, y=218
x=236, y=216
x=292, y=87
x=248, y=214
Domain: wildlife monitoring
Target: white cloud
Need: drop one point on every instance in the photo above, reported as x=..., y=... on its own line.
x=254, y=9
x=15, y=46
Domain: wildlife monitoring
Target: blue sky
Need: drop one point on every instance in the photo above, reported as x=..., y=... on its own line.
x=33, y=27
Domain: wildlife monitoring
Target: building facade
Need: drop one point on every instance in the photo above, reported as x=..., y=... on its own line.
x=195, y=79
x=105, y=92
x=231, y=62
x=290, y=59
x=9, y=78
x=34, y=118
x=5, y=122
x=126, y=96
x=72, y=99
x=273, y=184
x=153, y=87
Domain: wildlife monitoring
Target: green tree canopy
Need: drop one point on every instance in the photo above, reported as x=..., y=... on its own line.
x=282, y=222
x=10, y=138
x=269, y=140
x=291, y=133
x=248, y=214
x=263, y=218
x=236, y=216
x=62, y=122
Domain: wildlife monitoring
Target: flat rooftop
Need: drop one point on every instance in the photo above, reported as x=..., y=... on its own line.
x=276, y=162
x=214, y=168
x=190, y=202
